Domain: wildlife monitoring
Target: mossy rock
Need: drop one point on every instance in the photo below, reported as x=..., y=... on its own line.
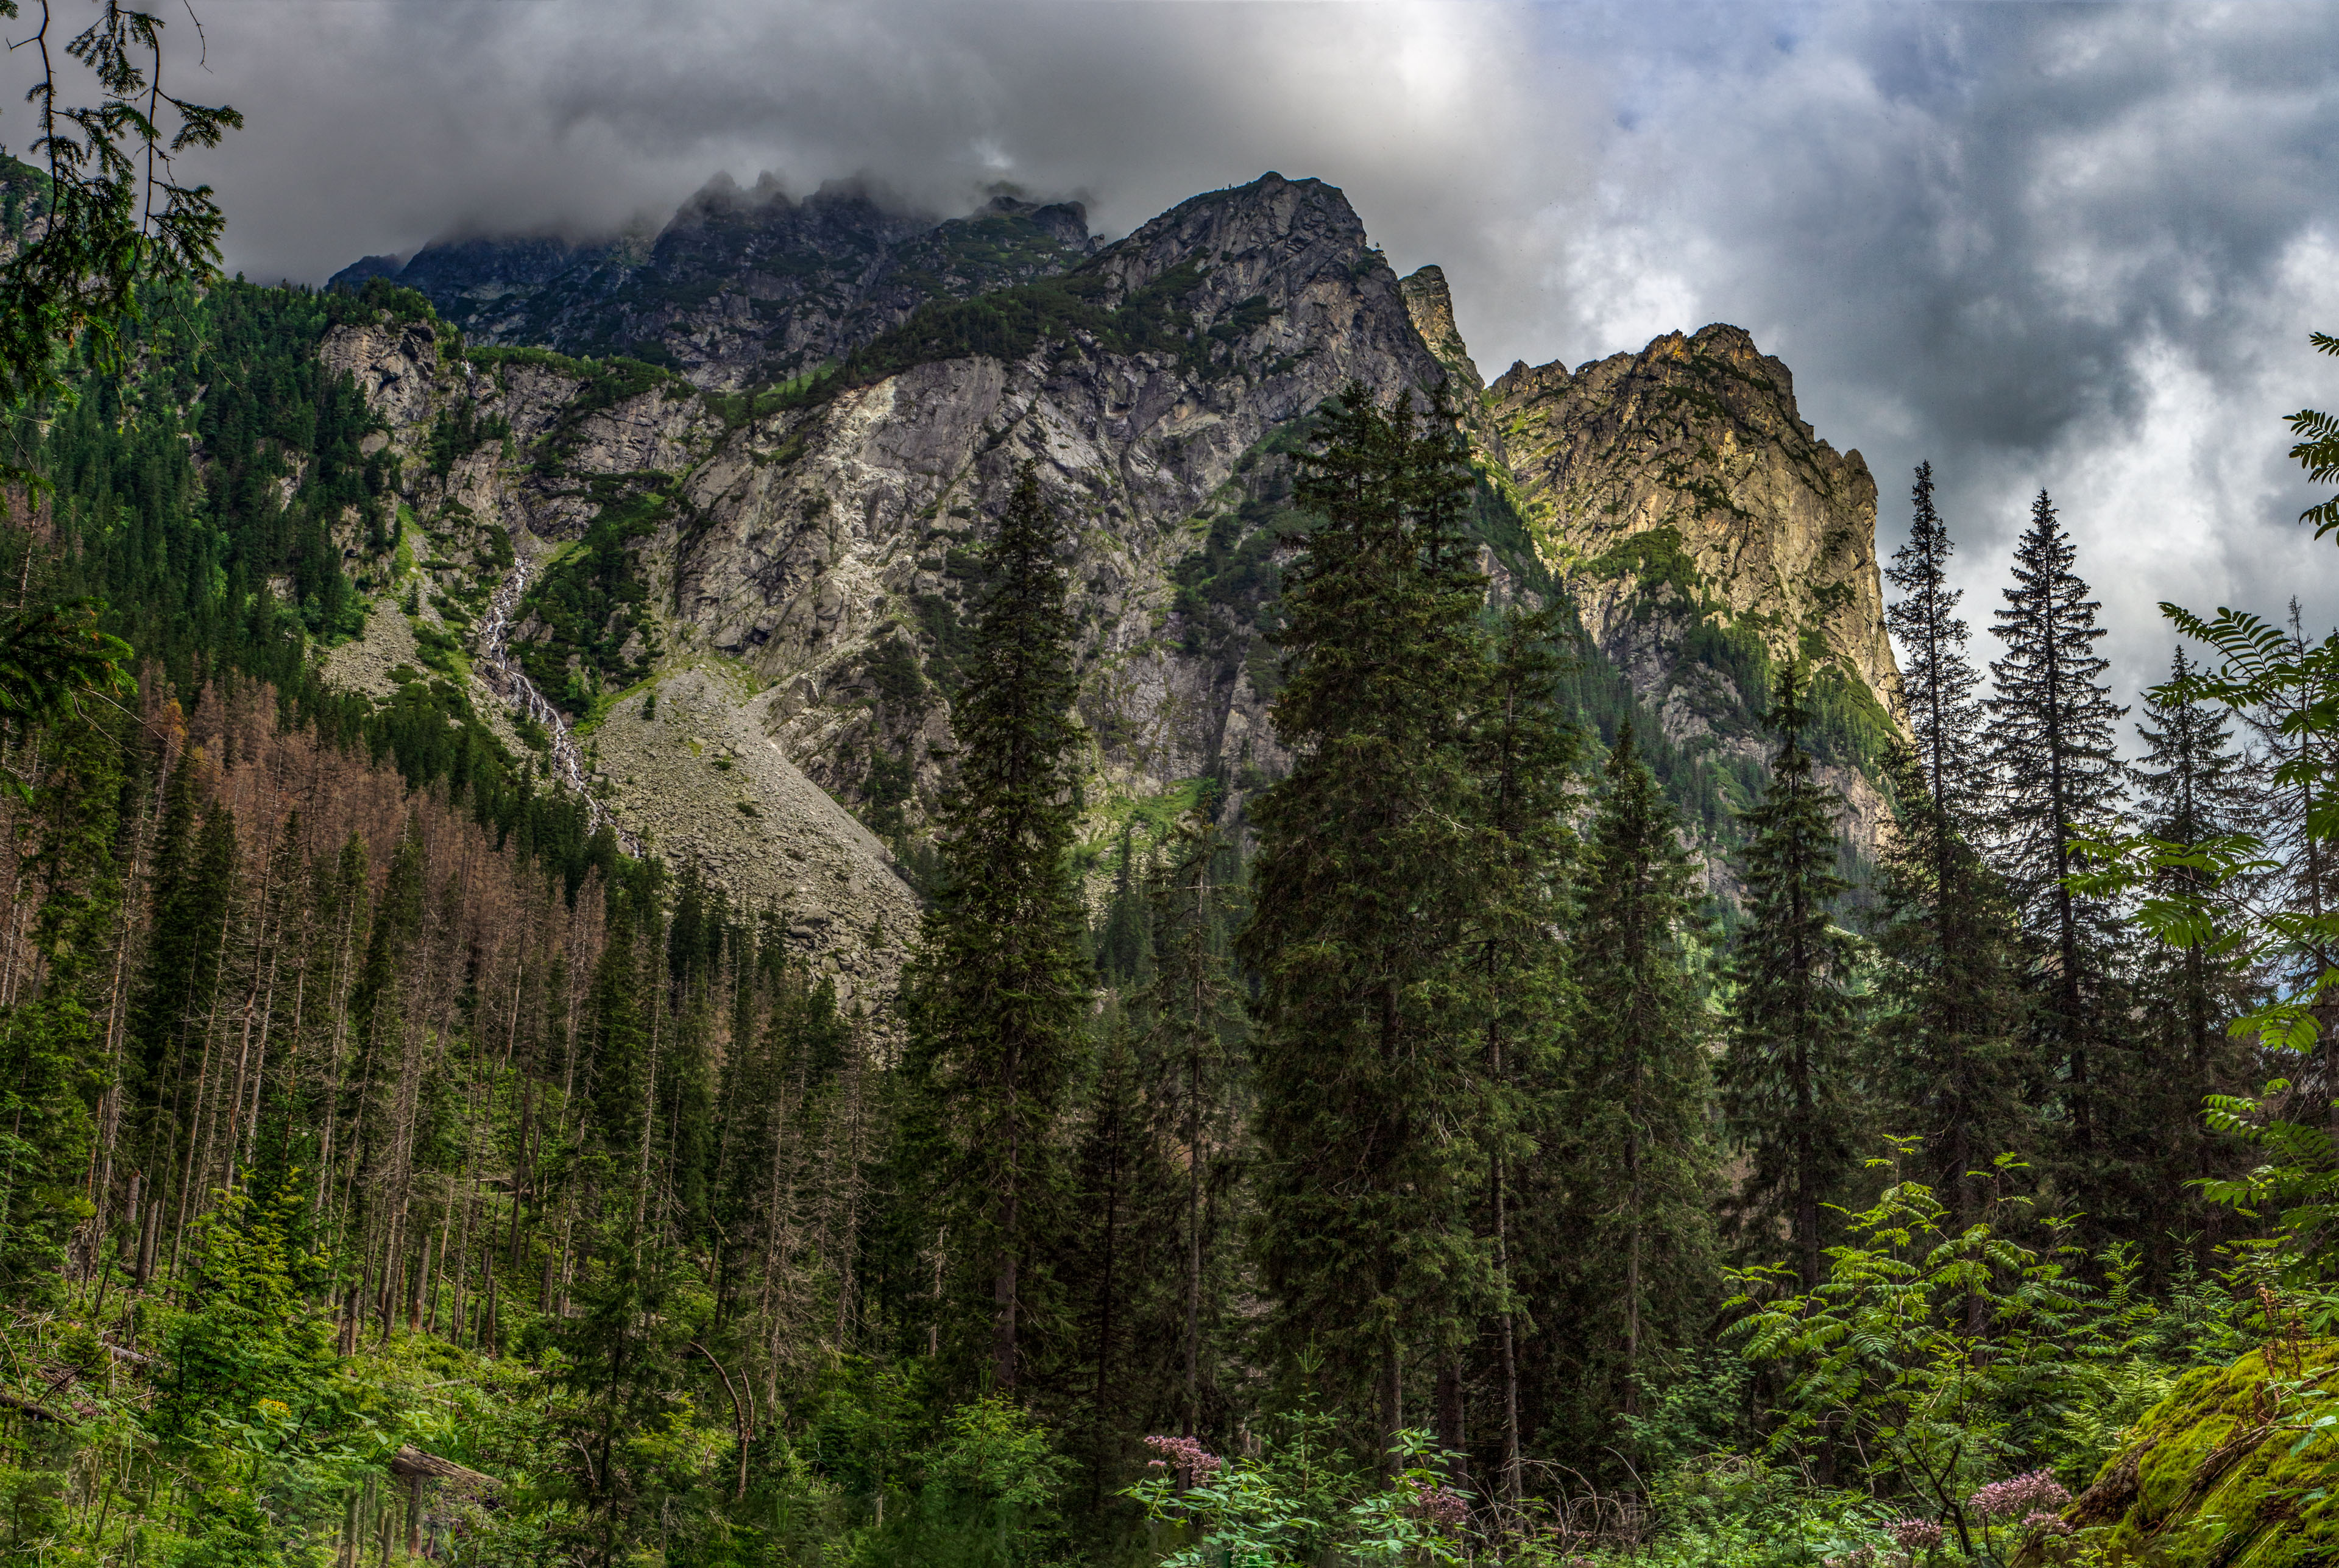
x=2210, y=1480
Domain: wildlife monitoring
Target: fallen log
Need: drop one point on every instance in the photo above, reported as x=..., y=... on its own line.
x=32, y=1407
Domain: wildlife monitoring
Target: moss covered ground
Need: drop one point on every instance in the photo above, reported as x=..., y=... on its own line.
x=2237, y=1468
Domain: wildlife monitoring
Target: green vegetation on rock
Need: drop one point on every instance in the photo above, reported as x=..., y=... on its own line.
x=2237, y=1468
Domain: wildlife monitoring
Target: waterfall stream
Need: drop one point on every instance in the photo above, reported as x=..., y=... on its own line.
x=500, y=668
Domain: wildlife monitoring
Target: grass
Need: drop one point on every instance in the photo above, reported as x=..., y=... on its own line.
x=1150, y=819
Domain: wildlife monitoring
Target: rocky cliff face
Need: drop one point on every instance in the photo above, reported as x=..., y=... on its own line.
x=742, y=287
x=749, y=618
x=754, y=609
x=838, y=542
x=1430, y=305
x=1705, y=532
x=685, y=762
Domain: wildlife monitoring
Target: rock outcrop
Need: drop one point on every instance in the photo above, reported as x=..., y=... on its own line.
x=838, y=542
x=2232, y=1470
x=1694, y=448
x=1704, y=532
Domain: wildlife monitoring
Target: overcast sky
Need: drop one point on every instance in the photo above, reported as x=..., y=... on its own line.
x=2075, y=246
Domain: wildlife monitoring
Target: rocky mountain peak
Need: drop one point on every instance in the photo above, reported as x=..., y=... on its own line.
x=1068, y=221
x=1705, y=532
x=741, y=287
x=1292, y=230
x=816, y=561
x=1431, y=305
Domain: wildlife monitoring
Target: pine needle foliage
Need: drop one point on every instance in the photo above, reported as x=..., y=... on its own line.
x=1365, y=884
x=1936, y=679
x=1196, y=1038
x=1000, y=984
x=1788, y=1072
x=2059, y=778
x=1631, y=1165
x=1950, y=1033
x=1527, y=749
x=2195, y=790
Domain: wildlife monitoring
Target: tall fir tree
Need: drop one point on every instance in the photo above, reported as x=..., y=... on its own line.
x=1788, y=1073
x=1936, y=679
x=1620, y=1235
x=2055, y=754
x=191, y=891
x=1194, y=1036
x=1525, y=752
x=1124, y=953
x=1124, y=1249
x=2194, y=787
x=1365, y=882
x=1950, y=1033
x=1000, y=986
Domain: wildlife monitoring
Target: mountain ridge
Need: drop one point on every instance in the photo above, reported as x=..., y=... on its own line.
x=819, y=542
x=739, y=286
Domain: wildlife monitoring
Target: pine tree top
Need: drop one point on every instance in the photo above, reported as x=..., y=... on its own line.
x=2052, y=731
x=1936, y=679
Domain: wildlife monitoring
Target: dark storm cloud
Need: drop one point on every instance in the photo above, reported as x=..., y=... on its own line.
x=2071, y=246
x=378, y=126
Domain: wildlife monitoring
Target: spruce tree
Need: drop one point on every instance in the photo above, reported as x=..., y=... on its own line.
x=1194, y=1036
x=1936, y=679
x=1787, y=1090
x=999, y=987
x=189, y=909
x=1621, y=1238
x=379, y=1003
x=1125, y=1245
x=1525, y=753
x=2194, y=788
x=1367, y=882
x=1951, y=1031
x=2059, y=778
x=1124, y=954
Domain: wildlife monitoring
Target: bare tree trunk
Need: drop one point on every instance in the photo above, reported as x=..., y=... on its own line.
x=1512, y=1487
x=1635, y=1110
x=1005, y=1285
x=1392, y=1403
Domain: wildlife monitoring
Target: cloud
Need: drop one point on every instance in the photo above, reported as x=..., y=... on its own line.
x=378, y=126
x=2069, y=247
x=2077, y=246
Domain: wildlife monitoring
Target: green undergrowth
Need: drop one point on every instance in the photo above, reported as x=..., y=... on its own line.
x=1143, y=820
x=592, y=600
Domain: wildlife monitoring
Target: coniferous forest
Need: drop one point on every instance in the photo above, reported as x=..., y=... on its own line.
x=1428, y=1159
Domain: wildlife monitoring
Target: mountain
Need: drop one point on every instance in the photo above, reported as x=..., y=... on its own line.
x=740, y=287
x=1703, y=530
x=773, y=584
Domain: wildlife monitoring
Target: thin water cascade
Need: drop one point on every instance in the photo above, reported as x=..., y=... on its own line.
x=500, y=668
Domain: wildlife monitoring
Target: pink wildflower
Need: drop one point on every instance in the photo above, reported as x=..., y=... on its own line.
x=1915, y=1535
x=2023, y=1495
x=1193, y=1465
x=2050, y=1524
